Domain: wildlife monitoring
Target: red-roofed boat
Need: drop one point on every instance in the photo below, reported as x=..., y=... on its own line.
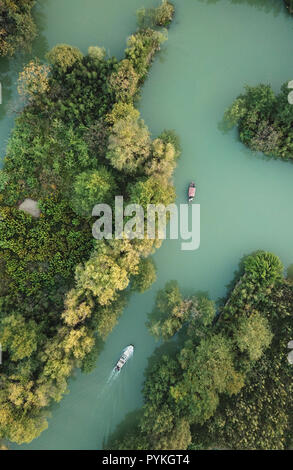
x=191, y=191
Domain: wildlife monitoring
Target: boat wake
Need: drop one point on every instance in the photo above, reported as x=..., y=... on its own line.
x=112, y=393
x=107, y=384
x=113, y=375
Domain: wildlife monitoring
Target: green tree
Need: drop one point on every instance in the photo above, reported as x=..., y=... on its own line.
x=146, y=275
x=108, y=270
x=210, y=371
x=124, y=81
x=164, y=13
x=179, y=438
x=151, y=191
x=33, y=80
x=171, y=312
x=264, y=120
x=64, y=56
x=264, y=268
x=253, y=335
x=141, y=48
x=96, y=52
x=17, y=29
x=163, y=161
x=129, y=144
x=160, y=16
x=19, y=337
x=92, y=187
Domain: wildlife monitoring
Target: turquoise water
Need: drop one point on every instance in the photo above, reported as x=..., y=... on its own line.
x=214, y=49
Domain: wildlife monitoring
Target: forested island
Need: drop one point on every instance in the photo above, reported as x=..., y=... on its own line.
x=17, y=27
x=79, y=141
x=224, y=383
x=264, y=120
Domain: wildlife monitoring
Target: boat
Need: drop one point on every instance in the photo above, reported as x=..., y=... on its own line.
x=191, y=191
x=127, y=353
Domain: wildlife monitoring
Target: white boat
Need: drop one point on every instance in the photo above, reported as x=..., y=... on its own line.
x=127, y=353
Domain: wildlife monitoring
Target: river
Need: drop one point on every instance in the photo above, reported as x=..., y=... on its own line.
x=214, y=49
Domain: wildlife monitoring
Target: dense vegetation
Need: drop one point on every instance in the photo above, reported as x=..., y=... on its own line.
x=225, y=383
x=152, y=17
x=79, y=141
x=17, y=27
x=264, y=120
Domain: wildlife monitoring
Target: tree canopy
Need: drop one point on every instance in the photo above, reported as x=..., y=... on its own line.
x=226, y=381
x=17, y=27
x=264, y=120
x=79, y=141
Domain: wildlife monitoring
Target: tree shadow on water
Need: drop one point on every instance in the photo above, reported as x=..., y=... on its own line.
x=275, y=6
x=290, y=272
x=10, y=67
x=6, y=84
x=237, y=275
x=168, y=348
x=129, y=423
x=224, y=126
x=40, y=44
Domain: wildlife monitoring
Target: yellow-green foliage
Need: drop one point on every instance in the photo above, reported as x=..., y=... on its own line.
x=253, y=334
x=224, y=383
x=96, y=52
x=33, y=80
x=17, y=28
x=124, y=81
x=91, y=188
x=78, y=142
x=164, y=13
x=64, y=56
x=264, y=120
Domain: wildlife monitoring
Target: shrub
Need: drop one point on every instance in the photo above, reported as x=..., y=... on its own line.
x=33, y=80
x=64, y=56
x=96, y=52
x=124, y=81
x=91, y=188
x=164, y=13
x=17, y=28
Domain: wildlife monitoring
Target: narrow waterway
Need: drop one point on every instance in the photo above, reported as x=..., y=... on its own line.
x=214, y=49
